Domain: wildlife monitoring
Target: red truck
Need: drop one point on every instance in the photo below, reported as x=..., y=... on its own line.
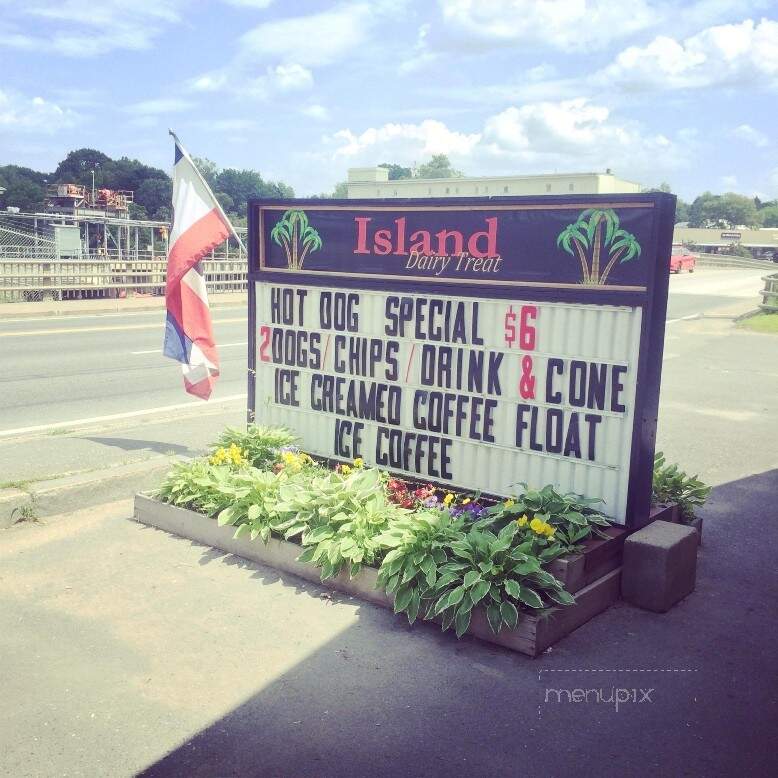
x=681, y=259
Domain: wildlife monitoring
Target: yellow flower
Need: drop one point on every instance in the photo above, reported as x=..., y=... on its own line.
x=466, y=501
x=549, y=530
x=509, y=503
x=522, y=522
x=537, y=525
x=345, y=469
x=448, y=499
x=359, y=463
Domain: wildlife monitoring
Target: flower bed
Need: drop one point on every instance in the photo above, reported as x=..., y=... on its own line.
x=531, y=636
x=438, y=555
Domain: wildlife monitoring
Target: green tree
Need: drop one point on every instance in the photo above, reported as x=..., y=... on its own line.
x=78, y=165
x=681, y=211
x=397, y=172
x=768, y=216
x=341, y=190
x=225, y=201
x=698, y=207
x=735, y=210
x=208, y=170
x=438, y=167
x=137, y=211
x=25, y=188
x=154, y=193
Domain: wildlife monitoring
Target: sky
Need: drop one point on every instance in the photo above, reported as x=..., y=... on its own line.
x=683, y=92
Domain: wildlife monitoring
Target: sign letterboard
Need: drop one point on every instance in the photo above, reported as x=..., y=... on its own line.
x=474, y=343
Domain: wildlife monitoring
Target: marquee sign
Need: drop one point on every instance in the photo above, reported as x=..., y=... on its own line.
x=476, y=343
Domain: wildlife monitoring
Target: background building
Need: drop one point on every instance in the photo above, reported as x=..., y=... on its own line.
x=759, y=243
x=374, y=182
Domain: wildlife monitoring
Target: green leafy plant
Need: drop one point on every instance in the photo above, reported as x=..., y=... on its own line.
x=260, y=445
x=439, y=569
x=571, y=516
x=197, y=485
x=417, y=545
x=595, y=236
x=293, y=232
x=672, y=485
x=341, y=523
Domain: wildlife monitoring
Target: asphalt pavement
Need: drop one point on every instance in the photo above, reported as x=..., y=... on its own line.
x=127, y=651
x=85, y=391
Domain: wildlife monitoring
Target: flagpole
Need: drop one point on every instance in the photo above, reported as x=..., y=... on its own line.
x=208, y=189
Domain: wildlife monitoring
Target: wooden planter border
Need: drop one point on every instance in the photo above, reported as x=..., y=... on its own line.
x=532, y=635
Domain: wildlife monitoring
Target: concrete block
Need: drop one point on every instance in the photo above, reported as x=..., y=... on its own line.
x=660, y=565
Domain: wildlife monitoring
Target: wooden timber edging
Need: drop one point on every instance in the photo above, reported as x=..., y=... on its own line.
x=531, y=636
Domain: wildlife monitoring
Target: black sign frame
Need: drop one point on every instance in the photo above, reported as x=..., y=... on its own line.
x=650, y=296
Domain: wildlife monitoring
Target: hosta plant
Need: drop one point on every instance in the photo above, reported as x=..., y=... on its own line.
x=441, y=569
x=337, y=516
x=253, y=496
x=673, y=485
x=567, y=519
x=262, y=446
x=416, y=546
x=349, y=539
x=197, y=485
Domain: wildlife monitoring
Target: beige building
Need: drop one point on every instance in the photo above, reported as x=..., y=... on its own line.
x=374, y=182
x=761, y=242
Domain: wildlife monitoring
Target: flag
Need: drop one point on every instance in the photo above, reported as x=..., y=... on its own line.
x=199, y=225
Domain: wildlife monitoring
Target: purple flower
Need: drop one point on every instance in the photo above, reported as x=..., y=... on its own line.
x=430, y=502
x=472, y=510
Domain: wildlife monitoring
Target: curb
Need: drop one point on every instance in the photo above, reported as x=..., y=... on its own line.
x=24, y=310
x=84, y=490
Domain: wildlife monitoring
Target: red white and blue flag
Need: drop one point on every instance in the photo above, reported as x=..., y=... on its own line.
x=199, y=225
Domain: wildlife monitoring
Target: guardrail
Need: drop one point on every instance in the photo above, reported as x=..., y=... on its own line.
x=100, y=276
x=770, y=294
x=730, y=260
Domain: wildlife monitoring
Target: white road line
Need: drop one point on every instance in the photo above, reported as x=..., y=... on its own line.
x=108, y=328
x=75, y=317
x=684, y=318
x=116, y=416
x=218, y=346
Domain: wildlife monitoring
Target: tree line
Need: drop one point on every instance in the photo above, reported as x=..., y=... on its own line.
x=153, y=187
x=26, y=189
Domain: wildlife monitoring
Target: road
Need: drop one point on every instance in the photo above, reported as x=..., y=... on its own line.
x=147, y=654
x=68, y=373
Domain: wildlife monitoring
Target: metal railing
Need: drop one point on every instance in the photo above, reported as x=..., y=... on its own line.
x=100, y=276
x=730, y=260
x=770, y=294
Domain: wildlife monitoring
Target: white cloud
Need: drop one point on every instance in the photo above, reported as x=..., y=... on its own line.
x=316, y=39
x=727, y=55
x=421, y=55
x=162, y=105
x=259, y=4
x=77, y=29
x=225, y=125
x=729, y=182
x=316, y=111
x=570, y=135
x=33, y=114
x=289, y=48
x=563, y=24
x=404, y=141
x=291, y=77
x=751, y=135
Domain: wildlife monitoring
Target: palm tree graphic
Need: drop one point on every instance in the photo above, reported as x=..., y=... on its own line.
x=298, y=238
x=594, y=237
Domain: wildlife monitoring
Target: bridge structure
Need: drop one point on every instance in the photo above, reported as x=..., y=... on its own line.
x=56, y=256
